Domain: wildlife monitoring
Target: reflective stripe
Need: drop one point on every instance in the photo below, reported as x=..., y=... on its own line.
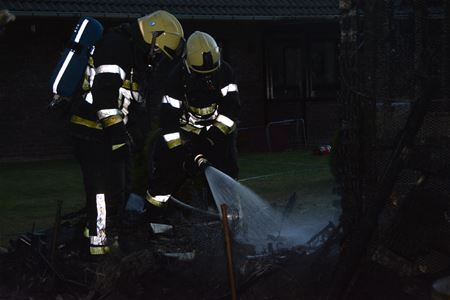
x=172, y=136
x=117, y=146
x=109, y=121
x=86, y=232
x=131, y=93
x=159, y=200
x=203, y=111
x=96, y=240
x=172, y=139
x=115, y=69
x=90, y=73
x=224, y=124
x=127, y=94
x=172, y=101
x=200, y=122
x=92, y=50
x=100, y=238
x=232, y=87
x=223, y=128
x=105, y=113
x=89, y=98
x=225, y=120
x=193, y=121
x=99, y=250
x=127, y=84
x=69, y=57
x=174, y=143
x=126, y=101
x=125, y=104
x=85, y=122
x=62, y=70
x=191, y=128
x=81, y=30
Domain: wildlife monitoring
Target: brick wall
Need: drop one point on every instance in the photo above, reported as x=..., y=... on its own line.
x=243, y=49
x=31, y=48
x=28, y=52
x=322, y=121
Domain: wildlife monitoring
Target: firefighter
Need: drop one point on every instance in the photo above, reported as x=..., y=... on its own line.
x=5, y=18
x=198, y=117
x=111, y=91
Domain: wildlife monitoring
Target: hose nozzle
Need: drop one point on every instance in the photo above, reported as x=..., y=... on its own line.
x=201, y=161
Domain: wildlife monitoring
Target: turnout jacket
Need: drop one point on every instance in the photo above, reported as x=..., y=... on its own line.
x=109, y=88
x=193, y=105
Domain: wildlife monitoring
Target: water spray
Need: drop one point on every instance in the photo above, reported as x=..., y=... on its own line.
x=233, y=215
x=252, y=219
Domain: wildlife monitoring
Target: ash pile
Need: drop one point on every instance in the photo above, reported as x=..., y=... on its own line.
x=185, y=258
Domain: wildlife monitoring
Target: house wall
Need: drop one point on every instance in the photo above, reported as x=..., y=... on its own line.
x=31, y=48
x=244, y=46
x=243, y=49
x=28, y=52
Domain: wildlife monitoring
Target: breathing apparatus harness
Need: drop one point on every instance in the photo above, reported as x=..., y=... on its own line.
x=200, y=82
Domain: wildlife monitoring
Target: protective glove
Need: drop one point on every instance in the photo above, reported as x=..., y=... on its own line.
x=215, y=135
x=202, y=145
x=188, y=163
x=121, y=149
x=60, y=105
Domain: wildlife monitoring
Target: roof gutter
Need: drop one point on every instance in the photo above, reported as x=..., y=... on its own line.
x=255, y=18
x=179, y=16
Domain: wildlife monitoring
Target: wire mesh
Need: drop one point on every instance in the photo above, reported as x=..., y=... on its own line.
x=415, y=218
x=391, y=69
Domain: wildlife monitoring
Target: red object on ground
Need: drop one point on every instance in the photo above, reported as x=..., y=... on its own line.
x=323, y=150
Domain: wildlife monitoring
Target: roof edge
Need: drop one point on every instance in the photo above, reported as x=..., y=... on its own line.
x=179, y=16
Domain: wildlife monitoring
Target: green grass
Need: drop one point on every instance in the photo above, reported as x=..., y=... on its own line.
x=277, y=175
x=29, y=194
x=29, y=191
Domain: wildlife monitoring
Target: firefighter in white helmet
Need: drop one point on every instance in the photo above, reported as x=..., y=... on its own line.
x=5, y=18
x=198, y=115
x=100, y=120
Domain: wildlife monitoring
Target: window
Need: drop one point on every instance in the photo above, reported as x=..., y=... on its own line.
x=323, y=77
x=284, y=72
x=297, y=69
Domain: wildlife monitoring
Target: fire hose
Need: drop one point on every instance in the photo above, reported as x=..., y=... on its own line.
x=203, y=163
x=192, y=208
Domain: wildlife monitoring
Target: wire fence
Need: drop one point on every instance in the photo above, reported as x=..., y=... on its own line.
x=393, y=149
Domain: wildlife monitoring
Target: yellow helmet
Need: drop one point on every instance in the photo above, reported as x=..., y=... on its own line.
x=202, y=53
x=163, y=30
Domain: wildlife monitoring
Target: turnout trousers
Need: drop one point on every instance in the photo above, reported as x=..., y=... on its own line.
x=106, y=180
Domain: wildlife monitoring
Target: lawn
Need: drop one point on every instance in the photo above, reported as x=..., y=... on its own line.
x=277, y=175
x=30, y=190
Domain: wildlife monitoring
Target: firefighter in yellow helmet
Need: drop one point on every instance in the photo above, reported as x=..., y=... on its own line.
x=101, y=120
x=199, y=112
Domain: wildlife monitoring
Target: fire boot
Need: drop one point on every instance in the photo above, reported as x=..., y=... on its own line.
x=131, y=237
